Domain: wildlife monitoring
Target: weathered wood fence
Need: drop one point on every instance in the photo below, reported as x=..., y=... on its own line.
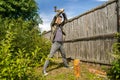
x=90, y=36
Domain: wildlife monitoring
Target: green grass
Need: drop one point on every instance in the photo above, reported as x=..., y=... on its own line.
x=57, y=71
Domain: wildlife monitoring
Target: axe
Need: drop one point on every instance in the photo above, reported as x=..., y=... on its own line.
x=57, y=10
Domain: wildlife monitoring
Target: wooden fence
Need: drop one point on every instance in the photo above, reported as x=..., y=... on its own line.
x=90, y=36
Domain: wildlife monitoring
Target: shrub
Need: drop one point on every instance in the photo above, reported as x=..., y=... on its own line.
x=21, y=49
x=114, y=72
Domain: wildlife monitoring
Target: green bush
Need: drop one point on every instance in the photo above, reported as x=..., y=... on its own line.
x=114, y=72
x=21, y=49
x=22, y=46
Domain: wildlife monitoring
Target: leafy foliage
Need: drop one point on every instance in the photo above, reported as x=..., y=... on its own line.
x=114, y=71
x=27, y=9
x=20, y=49
x=22, y=46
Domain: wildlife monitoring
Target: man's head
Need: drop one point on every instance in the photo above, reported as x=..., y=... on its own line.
x=58, y=20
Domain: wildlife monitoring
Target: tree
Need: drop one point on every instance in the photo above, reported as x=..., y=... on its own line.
x=27, y=9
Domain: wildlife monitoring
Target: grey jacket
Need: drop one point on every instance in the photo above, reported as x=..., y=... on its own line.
x=54, y=26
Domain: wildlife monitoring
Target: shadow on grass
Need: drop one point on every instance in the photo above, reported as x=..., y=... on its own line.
x=58, y=65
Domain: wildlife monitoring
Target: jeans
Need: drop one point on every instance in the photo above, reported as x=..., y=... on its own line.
x=56, y=46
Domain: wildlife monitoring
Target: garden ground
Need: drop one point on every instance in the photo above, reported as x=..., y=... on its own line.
x=88, y=71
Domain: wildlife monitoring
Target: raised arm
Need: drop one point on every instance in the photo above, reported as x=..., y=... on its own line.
x=64, y=18
x=54, y=19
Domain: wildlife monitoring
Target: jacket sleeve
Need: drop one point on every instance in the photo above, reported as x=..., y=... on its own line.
x=65, y=19
x=54, y=19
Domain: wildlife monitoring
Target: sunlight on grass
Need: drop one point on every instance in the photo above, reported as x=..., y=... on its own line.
x=57, y=71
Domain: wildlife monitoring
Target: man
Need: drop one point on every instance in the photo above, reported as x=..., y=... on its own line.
x=57, y=38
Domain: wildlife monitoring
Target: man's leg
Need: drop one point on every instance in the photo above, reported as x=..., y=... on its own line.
x=54, y=48
x=63, y=56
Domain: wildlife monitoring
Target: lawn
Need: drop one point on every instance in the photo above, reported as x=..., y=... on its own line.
x=57, y=71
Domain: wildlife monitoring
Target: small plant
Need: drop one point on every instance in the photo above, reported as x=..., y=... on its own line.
x=114, y=72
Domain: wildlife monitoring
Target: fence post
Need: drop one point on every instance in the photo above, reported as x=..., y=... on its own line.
x=118, y=17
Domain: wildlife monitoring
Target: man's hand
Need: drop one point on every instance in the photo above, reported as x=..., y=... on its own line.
x=60, y=10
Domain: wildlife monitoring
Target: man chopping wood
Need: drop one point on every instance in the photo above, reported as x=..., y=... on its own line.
x=57, y=34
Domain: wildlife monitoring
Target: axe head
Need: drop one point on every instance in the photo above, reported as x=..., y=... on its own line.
x=55, y=8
